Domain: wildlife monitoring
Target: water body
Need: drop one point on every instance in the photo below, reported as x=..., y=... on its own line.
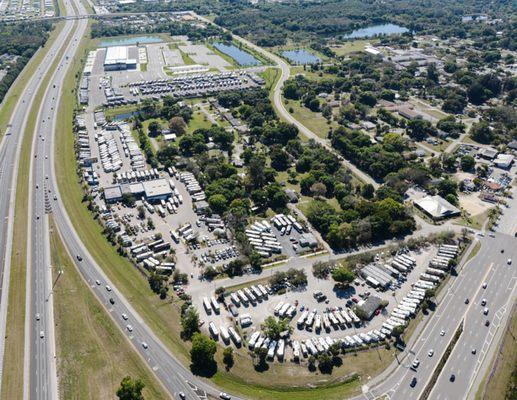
x=376, y=30
x=130, y=41
x=124, y=116
x=301, y=57
x=242, y=57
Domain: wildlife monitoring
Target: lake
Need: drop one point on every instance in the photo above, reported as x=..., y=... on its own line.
x=123, y=116
x=301, y=57
x=376, y=30
x=240, y=56
x=130, y=41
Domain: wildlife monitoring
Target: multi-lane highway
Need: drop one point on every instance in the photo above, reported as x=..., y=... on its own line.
x=9, y=156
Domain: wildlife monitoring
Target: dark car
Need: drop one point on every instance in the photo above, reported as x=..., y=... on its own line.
x=79, y=258
x=112, y=300
x=466, y=301
x=413, y=382
x=487, y=322
x=452, y=378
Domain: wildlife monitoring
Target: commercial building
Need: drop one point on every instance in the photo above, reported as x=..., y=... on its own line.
x=504, y=161
x=117, y=59
x=112, y=194
x=437, y=207
x=157, y=189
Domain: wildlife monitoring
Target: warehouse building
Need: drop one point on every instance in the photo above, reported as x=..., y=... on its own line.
x=157, y=190
x=117, y=59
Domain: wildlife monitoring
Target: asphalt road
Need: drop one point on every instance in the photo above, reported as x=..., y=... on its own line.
x=9, y=157
x=488, y=266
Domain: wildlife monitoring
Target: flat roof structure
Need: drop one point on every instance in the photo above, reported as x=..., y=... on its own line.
x=157, y=189
x=437, y=207
x=112, y=194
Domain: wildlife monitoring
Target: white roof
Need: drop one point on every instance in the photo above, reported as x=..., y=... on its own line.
x=115, y=54
x=437, y=206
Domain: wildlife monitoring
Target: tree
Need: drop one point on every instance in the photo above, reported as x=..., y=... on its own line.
x=202, y=352
x=128, y=199
x=467, y=163
x=343, y=275
x=153, y=129
x=419, y=129
x=272, y=327
x=432, y=73
x=177, y=125
x=228, y=358
x=481, y=132
x=318, y=189
x=218, y=203
x=189, y=323
x=130, y=389
x=321, y=270
x=368, y=191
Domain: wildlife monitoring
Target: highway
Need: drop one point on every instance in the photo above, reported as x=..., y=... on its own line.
x=9, y=159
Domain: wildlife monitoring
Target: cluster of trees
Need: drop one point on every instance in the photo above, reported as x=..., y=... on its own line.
x=120, y=27
x=273, y=327
x=378, y=160
x=20, y=40
x=360, y=221
x=293, y=276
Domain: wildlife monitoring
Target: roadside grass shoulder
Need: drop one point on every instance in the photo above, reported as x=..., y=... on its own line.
x=88, y=368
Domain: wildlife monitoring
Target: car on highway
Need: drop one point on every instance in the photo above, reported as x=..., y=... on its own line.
x=487, y=322
x=483, y=302
x=224, y=396
x=79, y=258
x=473, y=351
x=485, y=285
x=467, y=301
x=129, y=328
x=145, y=345
x=452, y=378
x=430, y=353
x=413, y=382
x=124, y=316
x=41, y=334
x=415, y=363
x=108, y=288
x=442, y=333
x=509, y=261
x=98, y=282
x=182, y=396
x=38, y=317
x=485, y=311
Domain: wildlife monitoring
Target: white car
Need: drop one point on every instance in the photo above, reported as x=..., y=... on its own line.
x=108, y=288
x=124, y=316
x=98, y=282
x=41, y=334
x=145, y=345
x=509, y=261
x=37, y=317
x=484, y=285
x=430, y=353
x=129, y=328
x=485, y=311
x=483, y=302
x=415, y=363
x=442, y=333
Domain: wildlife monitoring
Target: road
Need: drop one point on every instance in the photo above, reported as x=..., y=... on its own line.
x=489, y=265
x=9, y=157
x=285, y=72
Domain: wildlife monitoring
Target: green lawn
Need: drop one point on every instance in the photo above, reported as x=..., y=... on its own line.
x=298, y=69
x=88, y=368
x=199, y=121
x=352, y=46
x=312, y=120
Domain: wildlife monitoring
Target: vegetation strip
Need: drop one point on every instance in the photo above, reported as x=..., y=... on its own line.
x=438, y=370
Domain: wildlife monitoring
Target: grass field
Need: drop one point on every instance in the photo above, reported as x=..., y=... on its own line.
x=199, y=121
x=88, y=368
x=501, y=379
x=12, y=380
x=352, y=46
x=312, y=120
x=310, y=74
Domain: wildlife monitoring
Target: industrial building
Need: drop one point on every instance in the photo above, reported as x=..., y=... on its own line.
x=117, y=59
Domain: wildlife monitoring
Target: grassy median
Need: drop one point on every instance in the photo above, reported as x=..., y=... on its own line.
x=93, y=355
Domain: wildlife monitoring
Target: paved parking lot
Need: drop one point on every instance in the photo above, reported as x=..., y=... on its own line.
x=204, y=56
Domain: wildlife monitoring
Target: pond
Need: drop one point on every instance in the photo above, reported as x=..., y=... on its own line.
x=301, y=57
x=376, y=30
x=128, y=41
x=124, y=116
x=240, y=56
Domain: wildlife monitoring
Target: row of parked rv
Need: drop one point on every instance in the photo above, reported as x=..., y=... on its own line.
x=262, y=239
x=252, y=294
x=108, y=152
x=131, y=147
x=137, y=176
x=341, y=318
x=226, y=334
x=84, y=152
x=286, y=223
x=192, y=185
x=149, y=254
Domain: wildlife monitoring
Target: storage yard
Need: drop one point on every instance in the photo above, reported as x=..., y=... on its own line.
x=322, y=316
